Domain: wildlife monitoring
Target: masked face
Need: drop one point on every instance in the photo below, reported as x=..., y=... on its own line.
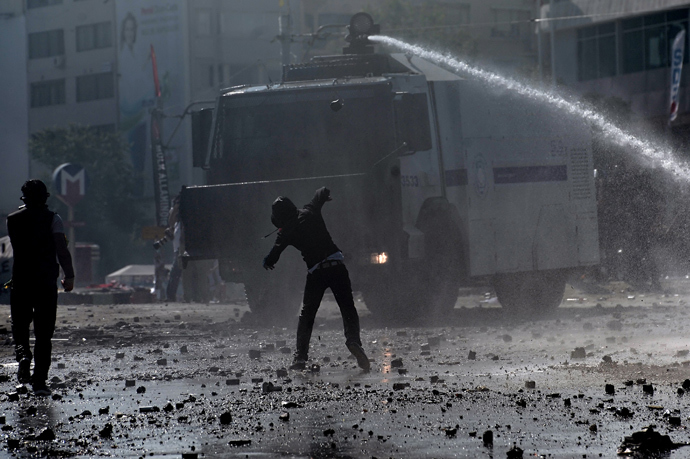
x=283, y=213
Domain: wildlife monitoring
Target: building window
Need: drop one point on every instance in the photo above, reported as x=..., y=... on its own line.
x=46, y=44
x=95, y=86
x=596, y=52
x=41, y=3
x=646, y=40
x=51, y=92
x=94, y=36
x=510, y=23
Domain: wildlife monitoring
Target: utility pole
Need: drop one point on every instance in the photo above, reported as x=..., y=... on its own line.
x=539, y=59
x=285, y=36
x=553, y=43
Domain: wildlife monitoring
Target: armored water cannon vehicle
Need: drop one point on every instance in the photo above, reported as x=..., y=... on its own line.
x=437, y=181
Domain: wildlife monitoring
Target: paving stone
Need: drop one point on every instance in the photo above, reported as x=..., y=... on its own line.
x=226, y=418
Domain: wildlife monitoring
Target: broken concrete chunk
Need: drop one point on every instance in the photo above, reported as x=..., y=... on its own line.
x=578, y=353
x=396, y=363
x=624, y=412
x=488, y=438
x=46, y=434
x=647, y=443
x=232, y=382
x=284, y=416
x=239, y=442
x=472, y=356
x=609, y=389
x=254, y=354
x=648, y=389
x=268, y=387
x=400, y=386
x=226, y=418
x=281, y=373
x=149, y=409
x=530, y=384
x=141, y=390
x=183, y=350
x=130, y=383
x=162, y=362
x=107, y=431
x=514, y=453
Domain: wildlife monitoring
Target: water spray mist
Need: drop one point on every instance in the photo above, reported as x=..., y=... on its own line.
x=661, y=156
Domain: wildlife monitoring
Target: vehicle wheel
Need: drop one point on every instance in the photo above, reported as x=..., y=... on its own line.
x=391, y=297
x=535, y=292
x=422, y=290
x=443, y=270
x=273, y=299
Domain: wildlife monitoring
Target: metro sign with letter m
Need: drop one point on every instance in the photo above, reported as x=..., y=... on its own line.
x=70, y=182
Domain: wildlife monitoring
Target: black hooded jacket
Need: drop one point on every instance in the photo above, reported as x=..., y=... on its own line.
x=302, y=228
x=30, y=231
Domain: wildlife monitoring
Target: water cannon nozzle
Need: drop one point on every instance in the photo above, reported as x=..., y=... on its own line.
x=361, y=27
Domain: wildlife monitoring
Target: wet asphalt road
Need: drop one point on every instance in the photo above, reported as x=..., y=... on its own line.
x=193, y=379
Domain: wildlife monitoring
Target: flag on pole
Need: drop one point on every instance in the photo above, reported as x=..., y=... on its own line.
x=677, y=54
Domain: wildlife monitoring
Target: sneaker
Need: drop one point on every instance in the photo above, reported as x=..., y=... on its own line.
x=41, y=389
x=358, y=352
x=24, y=371
x=298, y=364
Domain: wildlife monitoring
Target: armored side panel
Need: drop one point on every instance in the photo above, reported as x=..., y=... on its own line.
x=530, y=197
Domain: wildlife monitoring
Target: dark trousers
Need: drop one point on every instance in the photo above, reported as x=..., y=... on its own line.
x=338, y=280
x=36, y=303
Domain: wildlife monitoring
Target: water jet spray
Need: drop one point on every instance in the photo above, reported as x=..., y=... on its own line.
x=659, y=155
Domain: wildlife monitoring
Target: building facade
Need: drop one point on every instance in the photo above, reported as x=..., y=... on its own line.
x=14, y=159
x=622, y=49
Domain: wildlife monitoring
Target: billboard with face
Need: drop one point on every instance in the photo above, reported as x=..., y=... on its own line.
x=162, y=24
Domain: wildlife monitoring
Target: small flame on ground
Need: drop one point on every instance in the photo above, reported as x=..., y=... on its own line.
x=648, y=149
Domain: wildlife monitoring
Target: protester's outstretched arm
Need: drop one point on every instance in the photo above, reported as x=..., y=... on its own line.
x=272, y=258
x=322, y=195
x=65, y=260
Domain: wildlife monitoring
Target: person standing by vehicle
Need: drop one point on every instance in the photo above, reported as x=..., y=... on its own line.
x=306, y=230
x=38, y=239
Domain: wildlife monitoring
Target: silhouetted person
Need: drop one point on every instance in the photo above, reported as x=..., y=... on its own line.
x=39, y=243
x=306, y=231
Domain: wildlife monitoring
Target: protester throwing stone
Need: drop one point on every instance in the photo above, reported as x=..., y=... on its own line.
x=38, y=239
x=306, y=230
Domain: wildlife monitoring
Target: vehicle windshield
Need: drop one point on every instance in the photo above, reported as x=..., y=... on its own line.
x=297, y=133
